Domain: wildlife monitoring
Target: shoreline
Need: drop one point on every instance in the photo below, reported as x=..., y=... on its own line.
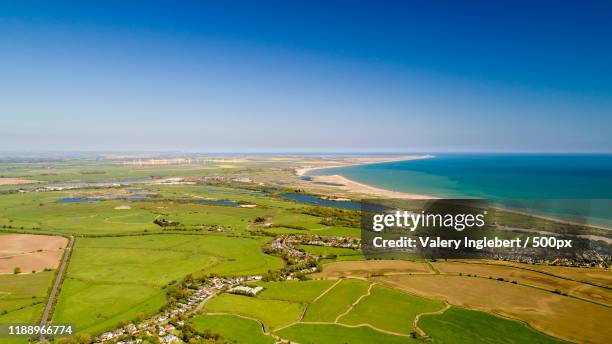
x=302, y=171
x=361, y=188
x=355, y=187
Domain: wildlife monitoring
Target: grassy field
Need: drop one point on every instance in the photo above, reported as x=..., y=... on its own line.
x=111, y=279
x=320, y=230
x=337, y=334
x=336, y=301
x=333, y=253
x=390, y=310
x=273, y=313
x=234, y=328
x=459, y=325
x=23, y=296
x=295, y=291
x=22, y=299
x=42, y=211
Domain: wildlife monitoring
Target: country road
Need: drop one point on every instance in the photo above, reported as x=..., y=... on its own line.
x=56, y=285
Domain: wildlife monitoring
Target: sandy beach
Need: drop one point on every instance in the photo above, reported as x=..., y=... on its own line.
x=359, y=161
x=359, y=188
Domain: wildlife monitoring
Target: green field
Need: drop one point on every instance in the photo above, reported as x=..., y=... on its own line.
x=111, y=279
x=22, y=299
x=458, y=325
x=23, y=296
x=234, y=328
x=390, y=310
x=336, y=334
x=333, y=253
x=41, y=211
x=273, y=313
x=336, y=301
x=295, y=291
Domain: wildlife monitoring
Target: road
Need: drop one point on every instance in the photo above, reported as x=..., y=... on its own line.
x=56, y=285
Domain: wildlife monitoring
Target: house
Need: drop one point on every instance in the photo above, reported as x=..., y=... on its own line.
x=106, y=336
x=246, y=289
x=171, y=339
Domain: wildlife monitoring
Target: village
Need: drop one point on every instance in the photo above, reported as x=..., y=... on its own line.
x=166, y=326
x=192, y=294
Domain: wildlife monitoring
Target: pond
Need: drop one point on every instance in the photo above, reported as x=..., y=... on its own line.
x=77, y=200
x=217, y=202
x=311, y=199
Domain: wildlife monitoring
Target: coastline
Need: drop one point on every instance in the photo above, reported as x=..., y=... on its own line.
x=360, y=188
x=301, y=171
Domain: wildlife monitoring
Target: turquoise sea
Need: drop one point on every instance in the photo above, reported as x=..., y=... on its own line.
x=579, y=185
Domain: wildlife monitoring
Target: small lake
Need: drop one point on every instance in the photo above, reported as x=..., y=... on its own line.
x=311, y=199
x=77, y=200
x=217, y=202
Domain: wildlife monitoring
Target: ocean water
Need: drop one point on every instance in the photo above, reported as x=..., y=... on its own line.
x=550, y=184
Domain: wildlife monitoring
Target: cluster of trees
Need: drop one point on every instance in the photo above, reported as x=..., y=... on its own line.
x=79, y=338
x=335, y=216
x=165, y=223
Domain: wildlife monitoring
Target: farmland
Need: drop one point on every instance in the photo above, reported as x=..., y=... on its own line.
x=233, y=327
x=304, y=291
x=336, y=301
x=363, y=269
x=112, y=279
x=390, y=310
x=545, y=311
x=30, y=253
x=135, y=242
x=273, y=313
x=459, y=325
x=529, y=277
x=22, y=296
x=338, y=334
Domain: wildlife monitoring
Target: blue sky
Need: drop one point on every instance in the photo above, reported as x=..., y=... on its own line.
x=292, y=76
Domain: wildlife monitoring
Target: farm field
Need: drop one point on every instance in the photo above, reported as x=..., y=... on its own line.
x=338, y=334
x=385, y=314
x=112, y=279
x=272, y=313
x=234, y=328
x=22, y=296
x=30, y=253
x=390, y=310
x=363, y=269
x=294, y=291
x=545, y=311
x=333, y=253
x=458, y=325
x=593, y=275
x=337, y=300
x=581, y=290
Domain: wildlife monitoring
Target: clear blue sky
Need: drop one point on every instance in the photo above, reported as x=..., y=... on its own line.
x=306, y=76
